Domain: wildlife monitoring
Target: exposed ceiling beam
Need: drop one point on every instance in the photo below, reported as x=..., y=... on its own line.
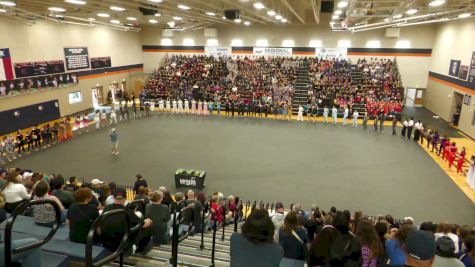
x=316, y=4
x=293, y=11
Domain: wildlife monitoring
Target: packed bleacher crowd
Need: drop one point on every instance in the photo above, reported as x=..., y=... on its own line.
x=318, y=237
x=378, y=88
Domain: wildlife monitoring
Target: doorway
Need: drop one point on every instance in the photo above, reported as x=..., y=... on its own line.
x=410, y=97
x=97, y=98
x=456, y=108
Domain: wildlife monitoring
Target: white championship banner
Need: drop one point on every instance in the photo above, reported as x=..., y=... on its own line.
x=218, y=51
x=272, y=51
x=331, y=52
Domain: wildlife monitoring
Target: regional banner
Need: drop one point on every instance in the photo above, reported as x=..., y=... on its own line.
x=272, y=51
x=216, y=51
x=77, y=58
x=471, y=73
x=331, y=52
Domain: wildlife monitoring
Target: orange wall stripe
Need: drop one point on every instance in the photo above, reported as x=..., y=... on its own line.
x=303, y=53
x=388, y=54
x=173, y=51
x=242, y=52
x=92, y=76
x=465, y=89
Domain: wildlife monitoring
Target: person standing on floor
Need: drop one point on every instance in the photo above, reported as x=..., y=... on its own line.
x=193, y=106
x=180, y=106
x=381, y=120
x=355, y=118
x=174, y=106
x=334, y=114
x=114, y=137
x=435, y=141
x=160, y=105
x=404, y=127
x=394, y=125
x=152, y=106
x=345, y=115
x=97, y=119
x=410, y=125
x=187, y=106
x=365, y=120
x=429, y=136
x=461, y=160
x=375, y=122
x=417, y=131
x=300, y=113
x=167, y=105
x=325, y=114
x=470, y=178
x=104, y=118
x=113, y=117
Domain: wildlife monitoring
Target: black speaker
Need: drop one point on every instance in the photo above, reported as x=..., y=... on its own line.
x=147, y=11
x=327, y=6
x=232, y=14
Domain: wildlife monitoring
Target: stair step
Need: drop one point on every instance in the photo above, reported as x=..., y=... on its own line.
x=191, y=251
x=186, y=260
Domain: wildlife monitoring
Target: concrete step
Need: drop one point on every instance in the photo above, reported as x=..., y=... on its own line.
x=191, y=251
x=186, y=260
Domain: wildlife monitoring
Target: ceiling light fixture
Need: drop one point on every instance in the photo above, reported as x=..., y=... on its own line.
x=56, y=9
x=131, y=18
x=259, y=5
x=155, y=1
x=437, y=3
x=177, y=18
x=210, y=14
x=223, y=17
x=338, y=12
x=171, y=24
x=283, y=20
x=411, y=11
x=3, y=10
x=157, y=15
x=271, y=13
x=387, y=19
x=278, y=17
x=76, y=2
x=59, y=16
x=247, y=23
x=91, y=19
x=342, y=4
x=153, y=21
x=398, y=16
x=464, y=15
x=103, y=15
x=184, y=7
x=237, y=20
x=7, y=3
x=114, y=21
x=117, y=8
x=335, y=17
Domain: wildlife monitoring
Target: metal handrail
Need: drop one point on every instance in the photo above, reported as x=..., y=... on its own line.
x=11, y=220
x=123, y=243
x=140, y=204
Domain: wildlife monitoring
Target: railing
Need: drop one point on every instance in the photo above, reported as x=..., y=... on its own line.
x=9, y=252
x=177, y=220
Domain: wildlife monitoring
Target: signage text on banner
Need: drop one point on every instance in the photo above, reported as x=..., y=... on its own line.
x=217, y=51
x=272, y=51
x=77, y=58
x=331, y=52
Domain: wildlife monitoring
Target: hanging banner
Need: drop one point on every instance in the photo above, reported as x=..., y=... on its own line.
x=471, y=73
x=272, y=51
x=216, y=51
x=77, y=58
x=331, y=52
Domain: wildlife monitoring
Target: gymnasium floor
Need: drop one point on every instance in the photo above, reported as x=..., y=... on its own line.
x=270, y=160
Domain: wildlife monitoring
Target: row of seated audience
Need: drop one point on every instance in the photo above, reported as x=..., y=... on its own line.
x=378, y=90
x=332, y=238
x=248, y=81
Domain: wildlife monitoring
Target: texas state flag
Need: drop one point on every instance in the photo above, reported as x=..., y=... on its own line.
x=6, y=70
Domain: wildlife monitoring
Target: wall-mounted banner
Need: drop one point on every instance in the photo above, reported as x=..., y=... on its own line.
x=29, y=69
x=6, y=70
x=272, y=51
x=100, y=62
x=331, y=52
x=454, y=67
x=471, y=73
x=218, y=51
x=77, y=58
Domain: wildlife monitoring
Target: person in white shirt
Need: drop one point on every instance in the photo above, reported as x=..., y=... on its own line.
x=167, y=105
x=325, y=114
x=205, y=108
x=334, y=114
x=355, y=119
x=180, y=106
x=404, y=127
x=345, y=115
x=160, y=105
x=97, y=119
x=187, y=106
x=300, y=113
x=15, y=192
x=445, y=229
x=174, y=106
x=193, y=106
x=152, y=106
x=410, y=125
x=113, y=117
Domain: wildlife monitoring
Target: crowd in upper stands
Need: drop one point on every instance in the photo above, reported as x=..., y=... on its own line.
x=378, y=88
x=318, y=237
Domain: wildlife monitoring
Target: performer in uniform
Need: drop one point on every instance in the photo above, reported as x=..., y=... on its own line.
x=300, y=113
x=325, y=114
x=404, y=127
x=461, y=160
x=174, y=106
x=193, y=106
x=365, y=120
x=187, y=106
x=167, y=105
x=345, y=115
x=334, y=114
x=160, y=105
x=410, y=125
x=180, y=106
x=355, y=118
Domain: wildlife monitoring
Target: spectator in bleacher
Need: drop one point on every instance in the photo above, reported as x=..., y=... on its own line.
x=142, y=193
x=313, y=224
x=72, y=186
x=15, y=192
x=445, y=229
x=371, y=248
x=319, y=252
x=216, y=210
x=3, y=175
x=232, y=209
x=45, y=214
x=395, y=244
x=112, y=228
x=446, y=256
x=160, y=216
x=293, y=238
x=96, y=186
x=357, y=216
x=81, y=215
x=194, y=214
x=346, y=249
x=139, y=182
x=468, y=257
x=167, y=198
x=66, y=197
x=255, y=246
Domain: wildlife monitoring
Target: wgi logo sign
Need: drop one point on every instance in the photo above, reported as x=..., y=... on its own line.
x=188, y=181
x=272, y=51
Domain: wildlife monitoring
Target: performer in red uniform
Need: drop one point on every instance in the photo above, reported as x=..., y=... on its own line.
x=461, y=160
x=451, y=154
